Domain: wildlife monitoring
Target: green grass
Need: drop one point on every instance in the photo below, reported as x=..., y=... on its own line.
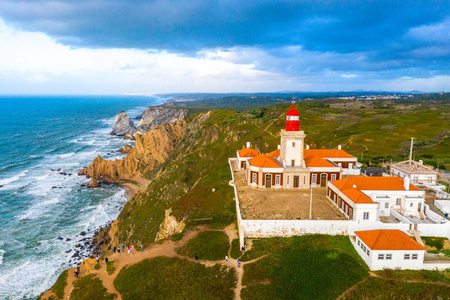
x=90, y=287
x=174, y=278
x=235, y=251
x=178, y=236
x=208, y=245
x=319, y=274
x=425, y=275
x=97, y=266
x=110, y=267
x=377, y=288
x=60, y=284
x=434, y=241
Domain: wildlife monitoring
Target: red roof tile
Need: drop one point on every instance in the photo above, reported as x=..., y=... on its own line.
x=357, y=196
x=275, y=153
x=318, y=162
x=388, y=239
x=264, y=161
x=248, y=152
x=373, y=184
x=327, y=153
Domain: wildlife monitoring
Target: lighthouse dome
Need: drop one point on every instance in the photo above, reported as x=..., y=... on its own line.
x=292, y=120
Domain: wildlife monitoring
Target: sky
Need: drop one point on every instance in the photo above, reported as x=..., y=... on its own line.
x=168, y=46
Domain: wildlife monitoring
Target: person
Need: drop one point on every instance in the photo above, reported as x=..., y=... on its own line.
x=106, y=260
x=196, y=257
x=114, y=249
x=118, y=250
x=123, y=247
x=78, y=270
x=98, y=257
x=239, y=263
x=243, y=248
x=75, y=274
x=142, y=247
x=226, y=258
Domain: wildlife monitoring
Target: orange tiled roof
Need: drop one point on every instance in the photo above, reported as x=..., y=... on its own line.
x=373, y=183
x=264, y=161
x=388, y=239
x=275, y=153
x=357, y=196
x=327, y=153
x=318, y=162
x=248, y=152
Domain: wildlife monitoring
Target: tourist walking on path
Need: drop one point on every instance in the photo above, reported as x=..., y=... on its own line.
x=106, y=260
x=123, y=247
x=98, y=257
x=114, y=249
x=239, y=263
x=142, y=247
x=196, y=257
x=226, y=258
x=118, y=250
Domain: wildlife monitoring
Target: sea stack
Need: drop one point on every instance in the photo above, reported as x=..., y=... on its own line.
x=123, y=125
x=93, y=183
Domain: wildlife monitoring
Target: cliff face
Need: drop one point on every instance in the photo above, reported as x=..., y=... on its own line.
x=155, y=116
x=149, y=151
x=123, y=125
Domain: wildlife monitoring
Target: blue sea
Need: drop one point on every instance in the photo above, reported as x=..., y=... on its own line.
x=38, y=205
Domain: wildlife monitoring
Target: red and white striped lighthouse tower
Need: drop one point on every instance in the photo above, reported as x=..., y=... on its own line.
x=292, y=120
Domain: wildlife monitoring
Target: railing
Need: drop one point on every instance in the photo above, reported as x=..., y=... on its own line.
x=354, y=171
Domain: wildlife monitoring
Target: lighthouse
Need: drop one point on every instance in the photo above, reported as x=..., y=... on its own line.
x=292, y=141
x=292, y=120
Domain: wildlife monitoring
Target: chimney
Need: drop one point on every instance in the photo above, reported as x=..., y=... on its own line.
x=278, y=147
x=339, y=147
x=354, y=186
x=307, y=147
x=248, y=144
x=406, y=183
x=421, y=162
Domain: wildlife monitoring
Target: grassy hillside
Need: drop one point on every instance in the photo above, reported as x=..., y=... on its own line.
x=194, y=180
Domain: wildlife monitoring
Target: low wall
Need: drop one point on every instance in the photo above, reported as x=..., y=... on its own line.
x=400, y=217
x=274, y=228
x=443, y=205
x=434, y=229
x=238, y=209
x=433, y=216
x=435, y=266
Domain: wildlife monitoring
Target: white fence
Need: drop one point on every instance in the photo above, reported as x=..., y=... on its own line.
x=436, y=266
x=354, y=171
x=443, y=205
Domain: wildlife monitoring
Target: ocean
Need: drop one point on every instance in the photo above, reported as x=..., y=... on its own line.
x=37, y=205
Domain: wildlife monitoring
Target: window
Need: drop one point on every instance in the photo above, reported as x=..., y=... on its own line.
x=414, y=256
x=368, y=252
x=293, y=144
x=364, y=248
x=277, y=180
x=366, y=216
x=333, y=177
x=406, y=256
x=293, y=162
x=254, y=178
x=398, y=201
x=388, y=256
x=415, y=178
x=287, y=180
x=430, y=179
x=411, y=205
x=359, y=243
x=304, y=180
x=380, y=256
x=386, y=205
x=314, y=178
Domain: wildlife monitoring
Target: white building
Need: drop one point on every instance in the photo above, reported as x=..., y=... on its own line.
x=368, y=198
x=419, y=174
x=388, y=248
x=245, y=155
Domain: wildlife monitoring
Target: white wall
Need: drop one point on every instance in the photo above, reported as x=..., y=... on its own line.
x=397, y=260
x=436, y=266
x=273, y=228
x=443, y=205
x=238, y=209
x=433, y=216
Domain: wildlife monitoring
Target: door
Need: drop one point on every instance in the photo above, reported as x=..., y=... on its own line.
x=296, y=181
x=268, y=181
x=419, y=207
x=323, y=180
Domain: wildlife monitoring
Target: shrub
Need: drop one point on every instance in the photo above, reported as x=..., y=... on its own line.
x=110, y=267
x=208, y=245
x=60, y=284
x=90, y=287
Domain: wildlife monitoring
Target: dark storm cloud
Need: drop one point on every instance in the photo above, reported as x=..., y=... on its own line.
x=378, y=34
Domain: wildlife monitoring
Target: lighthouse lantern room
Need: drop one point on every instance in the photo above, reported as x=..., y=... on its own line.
x=292, y=120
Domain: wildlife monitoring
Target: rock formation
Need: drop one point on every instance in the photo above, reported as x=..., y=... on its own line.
x=93, y=183
x=123, y=125
x=154, y=116
x=124, y=150
x=169, y=227
x=149, y=151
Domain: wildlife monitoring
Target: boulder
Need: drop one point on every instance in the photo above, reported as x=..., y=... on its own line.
x=83, y=171
x=126, y=149
x=128, y=137
x=93, y=183
x=123, y=125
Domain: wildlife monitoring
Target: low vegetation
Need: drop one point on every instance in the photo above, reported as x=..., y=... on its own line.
x=434, y=241
x=208, y=245
x=90, y=287
x=110, y=268
x=174, y=278
x=377, y=288
x=422, y=275
x=60, y=284
x=235, y=251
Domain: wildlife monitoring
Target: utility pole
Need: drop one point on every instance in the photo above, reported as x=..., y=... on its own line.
x=410, y=152
x=310, y=203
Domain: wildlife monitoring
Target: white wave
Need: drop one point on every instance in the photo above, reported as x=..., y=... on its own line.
x=67, y=155
x=38, y=209
x=1, y=256
x=12, y=179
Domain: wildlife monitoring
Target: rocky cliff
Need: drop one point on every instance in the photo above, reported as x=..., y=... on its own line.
x=149, y=151
x=154, y=116
x=123, y=125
